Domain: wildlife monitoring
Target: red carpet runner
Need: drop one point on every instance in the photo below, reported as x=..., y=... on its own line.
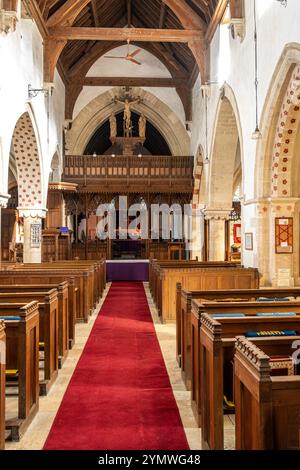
x=120, y=397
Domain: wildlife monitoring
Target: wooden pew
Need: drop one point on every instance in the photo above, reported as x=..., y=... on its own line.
x=267, y=407
x=98, y=280
x=22, y=355
x=63, y=310
x=99, y=268
x=199, y=277
x=84, y=279
x=53, y=332
x=66, y=300
x=2, y=384
x=215, y=372
x=9, y=277
x=156, y=266
x=184, y=299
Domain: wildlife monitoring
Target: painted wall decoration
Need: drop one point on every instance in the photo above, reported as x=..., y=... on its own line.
x=284, y=235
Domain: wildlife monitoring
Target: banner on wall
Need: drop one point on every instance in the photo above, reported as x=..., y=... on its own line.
x=237, y=236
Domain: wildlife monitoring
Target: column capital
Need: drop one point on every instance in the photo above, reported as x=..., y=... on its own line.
x=217, y=214
x=4, y=200
x=238, y=29
x=34, y=213
x=8, y=21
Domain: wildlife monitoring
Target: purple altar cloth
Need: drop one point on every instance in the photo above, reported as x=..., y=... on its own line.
x=127, y=271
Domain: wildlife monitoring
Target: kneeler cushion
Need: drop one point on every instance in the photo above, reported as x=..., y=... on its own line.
x=274, y=299
x=257, y=334
x=11, y=318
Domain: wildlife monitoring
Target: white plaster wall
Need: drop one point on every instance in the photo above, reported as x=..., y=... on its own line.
x=21, y=63
x=233, y=62
x=151, y=67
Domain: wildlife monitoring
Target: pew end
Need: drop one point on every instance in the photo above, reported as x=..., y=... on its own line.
x=22, y=339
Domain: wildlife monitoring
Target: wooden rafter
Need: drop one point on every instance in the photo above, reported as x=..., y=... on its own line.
x=181, y=23
x=129, y=13
x=69, y=33
x=133, y=82
x=216, y=19
x=186, y=15
x=67, y=13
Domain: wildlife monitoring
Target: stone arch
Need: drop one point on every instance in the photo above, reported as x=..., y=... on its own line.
x=227, y=142
x=270, y=121
x=27, y=153
x=99, y=110
x=278, y=169
x=226, y=158
x=283, y=159
x=55, y=168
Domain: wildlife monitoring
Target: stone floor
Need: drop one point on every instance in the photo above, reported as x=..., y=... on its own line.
x=38, y=431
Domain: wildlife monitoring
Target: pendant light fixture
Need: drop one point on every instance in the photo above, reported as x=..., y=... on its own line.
x=256, y=134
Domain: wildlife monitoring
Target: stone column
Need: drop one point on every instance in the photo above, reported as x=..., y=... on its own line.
x=32, y=250
x=276, y=269
x=3, y=203
x=217, y=226
x=197, y=242
x=284, y=266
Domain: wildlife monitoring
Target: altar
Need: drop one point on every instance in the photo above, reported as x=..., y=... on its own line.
x=127, y=270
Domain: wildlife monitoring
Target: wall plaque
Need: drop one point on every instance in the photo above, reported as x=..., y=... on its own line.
x=35, y=235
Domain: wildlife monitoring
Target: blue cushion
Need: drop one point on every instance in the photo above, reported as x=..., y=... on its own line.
x=259, y=334
x=277, y=314
x=11, y=318
x=274, y=299
x=227, y=315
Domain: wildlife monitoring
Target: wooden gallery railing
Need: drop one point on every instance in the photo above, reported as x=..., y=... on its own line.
x=163, y=172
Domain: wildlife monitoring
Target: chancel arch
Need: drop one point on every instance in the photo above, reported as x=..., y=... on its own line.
x=99, y=110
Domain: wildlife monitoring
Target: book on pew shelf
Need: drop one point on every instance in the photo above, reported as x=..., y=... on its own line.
x=277, y=314
x=282, y=365
x=227, y=315
x=12, y=375
x=10, y=318
x=273, y=299
x=258, y=334
x=227, y=404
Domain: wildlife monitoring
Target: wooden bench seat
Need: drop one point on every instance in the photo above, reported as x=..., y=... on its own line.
x=48, y=332
x=2, y=383
x=84, y=281
x=183, y=315
x=22, y=355
x=66, y=301
x=267, y=407
x=212, y=358
x=43, y=277
x=100, y=273
x=30, y=292
x=158, y=270
x=196, y=277
x=53, y=330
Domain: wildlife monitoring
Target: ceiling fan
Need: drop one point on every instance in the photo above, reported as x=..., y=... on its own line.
x=130, y=55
